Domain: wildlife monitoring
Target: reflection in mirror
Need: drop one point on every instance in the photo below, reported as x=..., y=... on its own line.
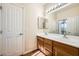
x=73, y=25
x=62, y=26
x=69, y=26
x=56, y=15
x=42, y=23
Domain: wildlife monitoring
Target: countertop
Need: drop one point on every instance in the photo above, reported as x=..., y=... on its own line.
x=69, y=40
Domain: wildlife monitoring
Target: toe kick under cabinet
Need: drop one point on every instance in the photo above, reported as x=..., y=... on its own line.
x=54, y=48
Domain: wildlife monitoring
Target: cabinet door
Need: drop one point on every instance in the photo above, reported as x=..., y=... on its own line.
x=48, y=47
x=60, y=52
x=40, y=44
x=61, y=49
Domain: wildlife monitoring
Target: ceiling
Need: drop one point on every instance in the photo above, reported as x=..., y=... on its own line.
x=43, y=4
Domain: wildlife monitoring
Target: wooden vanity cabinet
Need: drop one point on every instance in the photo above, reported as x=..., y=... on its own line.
x=48, y=47
x=61, y=49
x=55, y=48
x=44, y=45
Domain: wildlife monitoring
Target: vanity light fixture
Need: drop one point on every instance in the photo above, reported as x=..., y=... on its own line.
x=57, y=6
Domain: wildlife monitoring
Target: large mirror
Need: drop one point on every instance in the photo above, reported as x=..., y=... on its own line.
x=65, y=20
x=68, y=26
x=73, y=25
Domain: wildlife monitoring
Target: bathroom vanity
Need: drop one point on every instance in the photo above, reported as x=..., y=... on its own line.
x=57, y=45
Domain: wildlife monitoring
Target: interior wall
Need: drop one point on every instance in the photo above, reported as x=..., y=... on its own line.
x=51, y=18
x=51, y=23
x=31, y=14
x=69, y=12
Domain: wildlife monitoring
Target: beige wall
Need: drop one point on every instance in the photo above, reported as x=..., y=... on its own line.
x=31, y=13
x=68, y=12
x=51, y=23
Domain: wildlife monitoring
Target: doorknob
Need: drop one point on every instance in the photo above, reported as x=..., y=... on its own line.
x=1, y=32
x=21, y=34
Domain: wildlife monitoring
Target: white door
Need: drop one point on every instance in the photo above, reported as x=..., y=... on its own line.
x=12, y=30
x=0, y=32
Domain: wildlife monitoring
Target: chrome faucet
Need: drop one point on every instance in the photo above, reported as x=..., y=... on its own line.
x=65, y=34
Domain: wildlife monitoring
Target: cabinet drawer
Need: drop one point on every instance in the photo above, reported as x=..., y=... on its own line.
x=48, y=53
x=60, y=52
x=48, y=47
x=40, y=38
x=48, y=41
